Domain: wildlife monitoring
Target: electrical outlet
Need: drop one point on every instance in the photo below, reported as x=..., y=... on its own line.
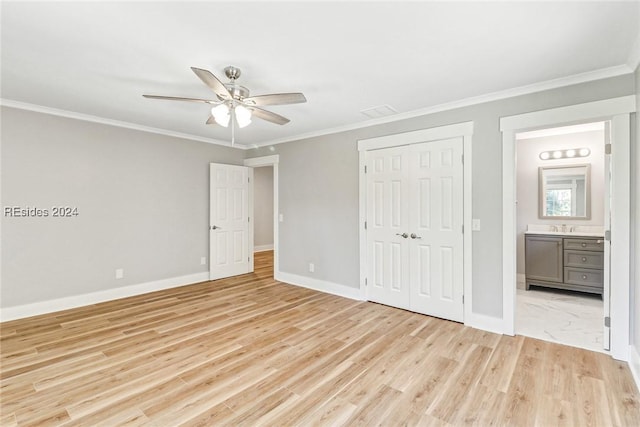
x=281, y=218
x=119, y=273
x=203, y=261
x=312, y=267
x=475, y=225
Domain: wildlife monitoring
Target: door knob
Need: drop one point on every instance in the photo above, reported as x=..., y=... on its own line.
x=215, y=227
x=403, y=235
x=414, y=236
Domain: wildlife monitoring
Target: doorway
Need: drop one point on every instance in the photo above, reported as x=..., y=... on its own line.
x=263, y=200
x=617, y=111
x=561, y=205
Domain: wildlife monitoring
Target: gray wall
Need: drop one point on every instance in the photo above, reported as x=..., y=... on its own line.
x=527, y=154
x=143, y=198
x=263, y=206
x=319, y=188
x=142, y=201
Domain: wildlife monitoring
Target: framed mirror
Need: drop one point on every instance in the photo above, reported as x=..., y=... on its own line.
x=564, y=192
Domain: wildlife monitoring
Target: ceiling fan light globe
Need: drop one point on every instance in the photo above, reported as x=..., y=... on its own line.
x=243, y=116
x=221, y=114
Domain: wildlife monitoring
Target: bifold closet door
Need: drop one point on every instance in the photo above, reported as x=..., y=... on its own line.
x=414, y=227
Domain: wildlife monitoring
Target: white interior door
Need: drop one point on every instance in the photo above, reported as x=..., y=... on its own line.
x=606, y=285
x=414, y=227
x=436, y=218
x=387, y=223
x=228, y=221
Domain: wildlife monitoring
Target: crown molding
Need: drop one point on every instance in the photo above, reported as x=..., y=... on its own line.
x=494, y=96
x=481, y=99
x=634, y=54
x=117, y=123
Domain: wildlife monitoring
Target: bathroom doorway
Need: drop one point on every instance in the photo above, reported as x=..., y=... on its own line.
x=561, y=193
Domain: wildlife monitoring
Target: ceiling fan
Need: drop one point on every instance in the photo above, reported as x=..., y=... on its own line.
x=233, y=101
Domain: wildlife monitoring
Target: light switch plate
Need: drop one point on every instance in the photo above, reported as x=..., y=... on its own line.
x=475, y=224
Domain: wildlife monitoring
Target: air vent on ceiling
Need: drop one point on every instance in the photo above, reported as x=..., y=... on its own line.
x=379, y=111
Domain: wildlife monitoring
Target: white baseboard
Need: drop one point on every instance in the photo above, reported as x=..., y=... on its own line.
x=634, y=364
x=59, y=304
x=485, y=323
x=319, y=285
x=521, y=281
x=262, y=248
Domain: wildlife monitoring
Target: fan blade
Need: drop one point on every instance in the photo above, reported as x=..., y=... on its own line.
x=268, y=115
x=276, y=99
x=212, y=81
x=179, y=98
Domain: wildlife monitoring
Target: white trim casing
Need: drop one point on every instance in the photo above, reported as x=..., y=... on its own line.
x=465, y=131
x=634, y=364
x=59, y=304
x=617, y=110
x=272, y=160
x=251, y=230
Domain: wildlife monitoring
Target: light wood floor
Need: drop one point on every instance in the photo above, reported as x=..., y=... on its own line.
x=252, y=351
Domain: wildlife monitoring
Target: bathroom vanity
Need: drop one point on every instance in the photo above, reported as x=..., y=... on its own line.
x=564, y=261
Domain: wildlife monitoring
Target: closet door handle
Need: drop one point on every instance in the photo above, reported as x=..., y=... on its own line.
x=403, y=235
x=414, y=236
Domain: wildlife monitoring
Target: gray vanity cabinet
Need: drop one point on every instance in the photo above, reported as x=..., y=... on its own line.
x=574, y=263
x=543, y=259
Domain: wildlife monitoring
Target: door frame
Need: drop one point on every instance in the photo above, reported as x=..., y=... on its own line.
x=462, y=130
x=617, y=111
x=257, y=162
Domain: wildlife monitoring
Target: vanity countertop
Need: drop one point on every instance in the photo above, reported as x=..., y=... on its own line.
x=571, y=230
x=566, y=233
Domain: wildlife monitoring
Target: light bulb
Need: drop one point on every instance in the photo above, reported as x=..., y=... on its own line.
x=557, y=154
x=243, y=116
x=221, y=114
x=544, y=155
x=571, y=153
x=584, y=152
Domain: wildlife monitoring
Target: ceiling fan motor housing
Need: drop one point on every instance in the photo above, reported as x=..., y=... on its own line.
x=237, y=92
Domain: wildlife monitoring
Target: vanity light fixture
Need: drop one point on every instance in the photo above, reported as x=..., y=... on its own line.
x=565, y=154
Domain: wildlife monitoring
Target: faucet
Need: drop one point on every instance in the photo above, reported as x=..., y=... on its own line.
x=564, y=228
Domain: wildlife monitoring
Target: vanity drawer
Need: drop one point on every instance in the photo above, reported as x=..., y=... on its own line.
x=584, y=259
x=584, y=244
x=583, y=276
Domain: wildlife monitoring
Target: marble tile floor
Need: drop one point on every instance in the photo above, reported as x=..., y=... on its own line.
x=564, y=317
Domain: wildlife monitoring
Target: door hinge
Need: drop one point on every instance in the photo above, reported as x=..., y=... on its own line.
x=365, y=168
x=607, y=148
x=365, y=225
x=462, y=228
x=249, y=219
x=365, y=281
x=607, y=235
x=463, y=299
x=462, y=159
x=607, y=321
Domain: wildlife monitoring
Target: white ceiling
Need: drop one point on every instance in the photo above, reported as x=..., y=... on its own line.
x=98, y=58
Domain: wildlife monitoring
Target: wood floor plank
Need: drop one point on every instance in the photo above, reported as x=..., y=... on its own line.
x=249, y=350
